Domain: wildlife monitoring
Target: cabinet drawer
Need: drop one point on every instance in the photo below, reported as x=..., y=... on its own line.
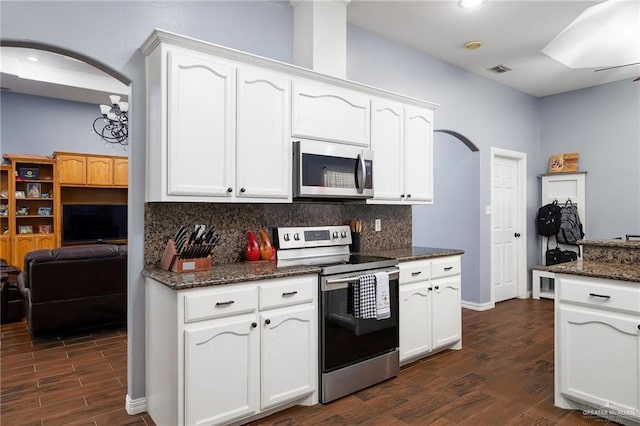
x=445, y=267
x=220, y=303
x=291, y=291
x=418, y=270
x=609, y=294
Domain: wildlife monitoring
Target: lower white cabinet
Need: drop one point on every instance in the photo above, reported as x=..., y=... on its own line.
x=221, y=362
x=230, y=353
x=430, y=307
x=597, y=336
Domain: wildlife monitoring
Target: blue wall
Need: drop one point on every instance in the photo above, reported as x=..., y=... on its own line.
x=40, y=125
x=602, y=124
x=486, y=112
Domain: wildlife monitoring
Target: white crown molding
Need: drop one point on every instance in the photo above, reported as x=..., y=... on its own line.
x=169, y=39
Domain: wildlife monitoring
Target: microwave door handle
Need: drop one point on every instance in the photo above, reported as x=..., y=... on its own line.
x=362, y=173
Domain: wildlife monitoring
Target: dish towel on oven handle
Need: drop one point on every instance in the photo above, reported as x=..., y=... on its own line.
x=383, y=305
x=364, y=297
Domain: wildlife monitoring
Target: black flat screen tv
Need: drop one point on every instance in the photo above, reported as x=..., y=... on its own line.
x=93, y=222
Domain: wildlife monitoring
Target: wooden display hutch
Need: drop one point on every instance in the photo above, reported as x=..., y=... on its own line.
x=90, y=179
x=32, y=196
x=33, y=189
x=5, y=239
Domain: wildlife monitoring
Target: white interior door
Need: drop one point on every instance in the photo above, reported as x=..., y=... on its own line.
x=505, y=228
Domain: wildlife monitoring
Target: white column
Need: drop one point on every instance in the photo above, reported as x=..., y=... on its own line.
x=320, y=35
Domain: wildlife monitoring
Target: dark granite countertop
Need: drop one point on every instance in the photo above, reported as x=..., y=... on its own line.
x=228, y=273
x=238, y=272
x=415, y=253
x=608, y=270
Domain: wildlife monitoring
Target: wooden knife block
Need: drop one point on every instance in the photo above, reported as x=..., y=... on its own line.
x=171, y=261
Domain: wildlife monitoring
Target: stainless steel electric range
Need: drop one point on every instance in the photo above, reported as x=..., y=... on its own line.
x=354, y=353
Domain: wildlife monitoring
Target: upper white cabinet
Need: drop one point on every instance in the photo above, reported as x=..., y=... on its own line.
x=402, y=141
x=220, y=126
x=387, y=143
x=330, y=113
x=218, y=131
x=263, y=169
x=200, y=125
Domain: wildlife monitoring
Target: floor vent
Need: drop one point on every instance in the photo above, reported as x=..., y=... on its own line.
x=499, y=69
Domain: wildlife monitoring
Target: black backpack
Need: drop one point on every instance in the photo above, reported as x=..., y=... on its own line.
x=570, y=226
x=548, y=219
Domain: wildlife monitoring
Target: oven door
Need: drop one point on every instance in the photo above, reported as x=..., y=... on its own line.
x=328, y=170
x=345, y=339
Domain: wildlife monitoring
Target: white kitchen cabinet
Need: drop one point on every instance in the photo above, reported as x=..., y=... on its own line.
x=402, y=141
x=231, y=352
x=200, y=124
x=418, y=154
x=430, y=307
x=447, y=311
x=387, y=143
x=263, y=167
x=288, y=367
x=218, y=131
x=597, y=337
x=415, y=320
x=330, y=113
x=221, y=359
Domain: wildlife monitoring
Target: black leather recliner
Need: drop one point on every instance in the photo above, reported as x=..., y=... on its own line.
x=74, y=288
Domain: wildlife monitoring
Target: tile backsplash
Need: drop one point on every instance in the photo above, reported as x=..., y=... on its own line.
x=232, y=221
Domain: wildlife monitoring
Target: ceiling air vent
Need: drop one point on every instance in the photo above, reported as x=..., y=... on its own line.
x=499, y=69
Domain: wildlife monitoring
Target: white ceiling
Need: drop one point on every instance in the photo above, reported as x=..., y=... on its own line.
x=513, y=32
x=56, y=76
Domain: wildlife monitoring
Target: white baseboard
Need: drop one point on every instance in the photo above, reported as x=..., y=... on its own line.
x=474, y=306
x=135, y=406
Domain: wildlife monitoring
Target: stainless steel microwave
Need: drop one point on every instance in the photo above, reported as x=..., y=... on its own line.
x=331, y=170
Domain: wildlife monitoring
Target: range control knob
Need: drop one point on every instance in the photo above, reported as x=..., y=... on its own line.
x=296, y=236
x=335, y=234
x=286, y=237
x=343, y=234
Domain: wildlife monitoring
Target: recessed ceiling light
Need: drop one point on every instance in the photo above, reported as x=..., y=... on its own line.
x=472, y=45
x=467, y=4
x=33, y=58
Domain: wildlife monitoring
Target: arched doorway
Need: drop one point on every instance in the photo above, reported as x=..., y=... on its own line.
x=50, y=101
x=453, y=221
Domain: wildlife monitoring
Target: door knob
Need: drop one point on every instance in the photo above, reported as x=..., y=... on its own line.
x=517, y=235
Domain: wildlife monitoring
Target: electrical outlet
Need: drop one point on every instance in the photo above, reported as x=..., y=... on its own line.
x=378, y=225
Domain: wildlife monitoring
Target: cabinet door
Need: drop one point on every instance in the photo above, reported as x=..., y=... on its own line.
x=387, y=143
x=201, y=136
x=288, y=355
x=418, y=154
x=99, y=171
x=263, y=162
x=121, y=172
x=330, y=113
x=21, y=246
x=72, y=169
x=5, y=249
x=415, y=320
x=46, y=241
x=221, y=364
x=598, y=353
x=447, y=311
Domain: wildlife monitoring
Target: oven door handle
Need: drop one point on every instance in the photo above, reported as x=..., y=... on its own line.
x=340, y=283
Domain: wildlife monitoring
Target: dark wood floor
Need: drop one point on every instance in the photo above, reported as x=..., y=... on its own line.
x=503, y=375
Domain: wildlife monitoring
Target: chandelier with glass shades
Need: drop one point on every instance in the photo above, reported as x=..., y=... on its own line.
x=113, y=125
